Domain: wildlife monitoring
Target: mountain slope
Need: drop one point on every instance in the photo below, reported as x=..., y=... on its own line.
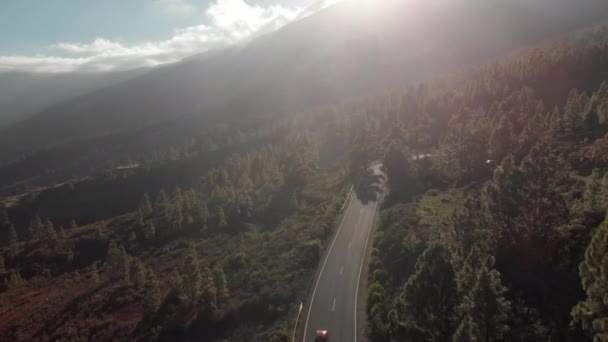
x=344, y=50
x=25, y=94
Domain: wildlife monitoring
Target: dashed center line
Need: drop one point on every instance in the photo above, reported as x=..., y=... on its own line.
x=349, y=245
x=341, y=269
x=333, y=309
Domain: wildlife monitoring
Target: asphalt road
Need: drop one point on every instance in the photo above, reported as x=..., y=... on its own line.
x=333, y=303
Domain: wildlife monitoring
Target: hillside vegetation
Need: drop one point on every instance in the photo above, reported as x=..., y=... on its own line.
x=501, y=233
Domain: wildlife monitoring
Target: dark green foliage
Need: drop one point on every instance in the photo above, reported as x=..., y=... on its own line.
x=467, y=331
x=191, y=277
x=145, y=205
x=149, y=231
x=221, y=284
x=424, y=311
x=152, y=294
x=50, y=232
x=484, y=308
x=592, y=313
x=502, y=141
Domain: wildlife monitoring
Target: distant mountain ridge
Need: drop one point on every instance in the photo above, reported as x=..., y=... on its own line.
x=344, y=50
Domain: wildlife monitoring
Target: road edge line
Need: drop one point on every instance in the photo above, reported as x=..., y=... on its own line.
x=312, y=299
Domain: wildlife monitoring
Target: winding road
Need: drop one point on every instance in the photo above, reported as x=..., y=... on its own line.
x=333, y=302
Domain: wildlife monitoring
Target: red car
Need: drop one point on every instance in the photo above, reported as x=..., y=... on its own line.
x=321, y=336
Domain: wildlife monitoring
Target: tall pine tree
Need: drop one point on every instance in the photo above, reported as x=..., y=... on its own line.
x=592, y=313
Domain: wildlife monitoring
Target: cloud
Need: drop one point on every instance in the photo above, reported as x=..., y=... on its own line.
x=178, y=7
x=227, y=22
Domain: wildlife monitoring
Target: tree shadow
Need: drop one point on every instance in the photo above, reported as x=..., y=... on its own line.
x=368, y=186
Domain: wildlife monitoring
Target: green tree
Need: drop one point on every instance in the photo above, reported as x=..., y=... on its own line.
x=425, y=308
x=70, y=257
x=467, y=331
x=140, y=218
x=150, y=231
x=592, y=313
x=50, y=232
x=595, y=190
x=125, y=266
x=12, y=235
x=221, y=218
x=138, y=273
x=95, y=274
x=502, y=140
x=486, y=305
x=221, y=284
x=14, y=280
x=7, y=230
x=574, y=111
x=152, y=294
x=191, y=276
x=161, y=203
x=208, y=293
x=1, y=262
x=36, y=228
x=145, y=205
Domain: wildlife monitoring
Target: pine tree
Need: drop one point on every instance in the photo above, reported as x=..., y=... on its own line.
x=1, y=262
x=592, y=313
x=573, y=112
x=425, y=309
x=221, y=284
x=113, y=259
x=467, y=331
x=7, y=230
x=70, y=257
x=36, y=228
x=177, y=282
x=133, y=237
x=14, y=280
x=95, y=274
x=486, y=305
x=502, y=141
x=177, y=219
x=150, y=231
x=203, y=214
x=50, y=233
x=139, y=273
x=594, y=192
x=140, y=218
x=543, y=206
x=12, y=236
x=145, y=205
x=152, y=294
x=208, y=293
x=125, y=266
x=161, y=203
x=556, y=125
x=221, y=218
x=191, y=276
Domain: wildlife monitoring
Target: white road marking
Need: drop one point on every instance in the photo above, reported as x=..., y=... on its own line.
x=349, y=245
x=341, y=269
x=323, y=267
x=333, y=309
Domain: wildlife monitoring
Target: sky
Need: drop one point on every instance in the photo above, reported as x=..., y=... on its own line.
x=79, y=35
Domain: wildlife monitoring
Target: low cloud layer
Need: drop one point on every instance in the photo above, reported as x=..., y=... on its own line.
x=227, y=22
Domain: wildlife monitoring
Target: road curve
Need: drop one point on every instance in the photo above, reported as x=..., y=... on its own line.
x=333, y=302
